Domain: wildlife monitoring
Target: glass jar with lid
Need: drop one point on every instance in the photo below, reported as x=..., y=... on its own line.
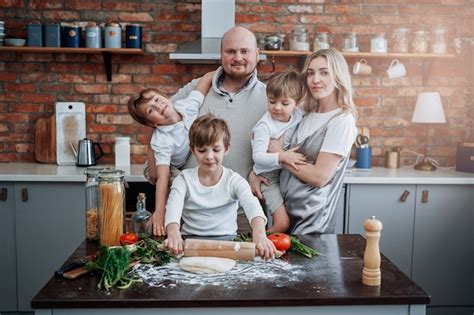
x=321, y=41
x=439, y=45
x=92, y=201
x=400, y=40
x=299, y=39
x=419, y=42
x=350, y=42
x=378, y=43
x=111, y=206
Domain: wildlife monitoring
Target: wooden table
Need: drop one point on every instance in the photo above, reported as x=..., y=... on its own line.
x=331, y=284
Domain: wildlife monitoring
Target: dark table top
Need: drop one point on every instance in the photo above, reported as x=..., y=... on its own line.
x=334, y=278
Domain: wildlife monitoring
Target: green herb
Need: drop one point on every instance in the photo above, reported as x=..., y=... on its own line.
x=243, y=238
x=114, y=267
x=301, y=248
x=148, y=252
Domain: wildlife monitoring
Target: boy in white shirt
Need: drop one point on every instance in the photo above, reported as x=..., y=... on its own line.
x=170, y=142
x=284, y=92
x=206, y=198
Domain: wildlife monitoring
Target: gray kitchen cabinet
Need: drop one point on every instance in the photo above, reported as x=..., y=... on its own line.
x=8, y=291
x=50, y=224
x=443, y=252
x=393, y=205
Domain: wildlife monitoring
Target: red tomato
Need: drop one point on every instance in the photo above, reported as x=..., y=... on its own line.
x=128, y=238
x=280, y=240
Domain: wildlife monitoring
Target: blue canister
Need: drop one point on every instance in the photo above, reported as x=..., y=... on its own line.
x=35, y=34
x=113, y=35
x=133, y=36
x=72, y=36
x=94, y=37
x=363, y=157
x=52, y=35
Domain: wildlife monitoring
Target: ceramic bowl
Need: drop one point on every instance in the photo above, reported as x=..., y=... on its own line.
x=14, y=41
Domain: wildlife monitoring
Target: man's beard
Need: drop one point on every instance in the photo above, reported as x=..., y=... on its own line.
x=239, y=75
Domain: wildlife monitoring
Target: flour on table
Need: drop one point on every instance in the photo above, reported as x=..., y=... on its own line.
x=277, y=271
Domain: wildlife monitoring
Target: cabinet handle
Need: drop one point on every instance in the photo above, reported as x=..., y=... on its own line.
x=3, y=194
x=24, y=194
x=424, y=196
x=404, y=196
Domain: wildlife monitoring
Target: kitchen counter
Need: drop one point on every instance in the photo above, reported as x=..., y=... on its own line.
x=328, y=284
x=37, y=172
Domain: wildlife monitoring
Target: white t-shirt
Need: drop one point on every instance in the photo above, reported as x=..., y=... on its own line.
x=266, y=129
x=171, y=143
x=210, y=210
x=339, y=129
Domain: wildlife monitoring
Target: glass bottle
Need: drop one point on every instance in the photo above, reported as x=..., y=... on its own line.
x=419, y=43
x=140, y=217
x=111, y=206
x=350, y=43
x=299, y=39
x=439, y=41
x=321, y=41
x=400, y=40
x=92, y=201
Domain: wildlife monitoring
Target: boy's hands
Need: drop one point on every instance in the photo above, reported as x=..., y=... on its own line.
x=174, y=242
x=158, y=223
x=263, y=245
x=255, y=181
x=292, y=158
x=205, y=83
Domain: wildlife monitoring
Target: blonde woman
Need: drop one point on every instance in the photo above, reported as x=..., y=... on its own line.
x=325, y=136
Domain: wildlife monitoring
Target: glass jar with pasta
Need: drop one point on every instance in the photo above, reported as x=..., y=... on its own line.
x=92, y=201
x=111, y=206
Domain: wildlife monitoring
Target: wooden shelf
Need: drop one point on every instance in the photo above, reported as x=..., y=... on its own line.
x=106, y=53
x=426, y=59
x=292, y=53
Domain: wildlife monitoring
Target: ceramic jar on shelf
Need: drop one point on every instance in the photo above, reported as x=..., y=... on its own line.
x=400, y=40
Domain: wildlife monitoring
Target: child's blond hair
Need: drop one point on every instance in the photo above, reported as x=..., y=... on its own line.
x=136, y=101
x=207, y=130
x=289, y=84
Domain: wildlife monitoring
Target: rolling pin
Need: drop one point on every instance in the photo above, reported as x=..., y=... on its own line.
x=224, y=249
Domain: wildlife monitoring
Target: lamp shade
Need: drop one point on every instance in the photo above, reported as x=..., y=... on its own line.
x=428, y=109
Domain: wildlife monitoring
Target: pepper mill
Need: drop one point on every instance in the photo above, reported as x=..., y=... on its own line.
x=371, y=272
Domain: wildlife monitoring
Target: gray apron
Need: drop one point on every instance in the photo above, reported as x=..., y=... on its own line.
x=312, y=209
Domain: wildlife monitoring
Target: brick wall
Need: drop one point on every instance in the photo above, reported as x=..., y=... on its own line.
x=31, y=83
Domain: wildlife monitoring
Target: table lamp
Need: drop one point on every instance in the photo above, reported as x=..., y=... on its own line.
x=428, y=110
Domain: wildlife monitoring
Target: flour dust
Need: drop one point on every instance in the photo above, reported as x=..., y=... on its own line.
x=169, y=275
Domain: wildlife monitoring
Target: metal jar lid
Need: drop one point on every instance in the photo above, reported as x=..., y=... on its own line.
x=94, y=171
x=114, y=24
x=111, y=175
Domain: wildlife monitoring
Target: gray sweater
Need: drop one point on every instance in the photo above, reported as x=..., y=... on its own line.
x=241, y=111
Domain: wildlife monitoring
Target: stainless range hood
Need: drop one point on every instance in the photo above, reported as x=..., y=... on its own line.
x=217, y=16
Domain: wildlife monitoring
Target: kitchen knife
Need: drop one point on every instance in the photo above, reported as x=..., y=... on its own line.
x=61, y=272
x=224, y=249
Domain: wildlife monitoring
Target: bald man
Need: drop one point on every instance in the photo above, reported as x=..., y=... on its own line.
x=237, y=96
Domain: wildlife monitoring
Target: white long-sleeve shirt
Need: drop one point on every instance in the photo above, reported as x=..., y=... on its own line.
x=266, y=129
x=171, y=143
x=210, y=210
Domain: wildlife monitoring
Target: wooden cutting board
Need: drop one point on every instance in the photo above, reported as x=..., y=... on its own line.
x=45, y=140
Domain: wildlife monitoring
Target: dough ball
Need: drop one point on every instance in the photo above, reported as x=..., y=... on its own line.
x=202, y=265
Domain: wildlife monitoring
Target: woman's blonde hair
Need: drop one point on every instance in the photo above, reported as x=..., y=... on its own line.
x=340, y=76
